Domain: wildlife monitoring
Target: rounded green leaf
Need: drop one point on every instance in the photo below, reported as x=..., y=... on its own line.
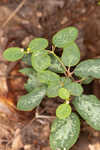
x=64, y=93
x=52, y=90
x=13, y=53
x=64, y=132
x=74, y=88
x=90, y=67
x=88, y=106
x=63, y=111
x=48, y=77
x=65, y=36
x=31, y=100
x=40, y=60
x=71, y=55
x=38, y=44
x=55, y=65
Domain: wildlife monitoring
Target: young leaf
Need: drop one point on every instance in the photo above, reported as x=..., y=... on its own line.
x=63, y=93
x=55, y=65
x=40, y=60
x=88, y=106
x=71, y=55
x=64, y=132
x=63, y=111
x=38, y=44
x=52, y=90
x=48, y=77
x=90, y=67
x=13, y=53
x=74, y=88
x=27, y=59
x=65, y=36
x=31, y=100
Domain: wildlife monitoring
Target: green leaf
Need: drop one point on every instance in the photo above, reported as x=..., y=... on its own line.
x=74, y=88
x=63, y=111
x=32, y=83
x=55, y=65
x=27, y=59
x=27, y=71
x=40, y=60
x=52, y=90
x=88, y=106
x=65, y=36
x=63, y=93
x=38, y=44
x=88, y=80
x=90, y=67
x=65, y=81
x=31, y=100
x=48, y=77
x=64, y=132
x=71, y=55
x=13, y=53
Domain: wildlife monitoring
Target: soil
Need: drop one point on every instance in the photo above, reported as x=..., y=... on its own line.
x=42, y=18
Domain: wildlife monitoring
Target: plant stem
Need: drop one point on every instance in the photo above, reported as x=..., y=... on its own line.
x=79, y=81
x=65, y=70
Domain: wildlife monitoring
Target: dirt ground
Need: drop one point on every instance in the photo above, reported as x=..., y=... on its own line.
x=42, y=18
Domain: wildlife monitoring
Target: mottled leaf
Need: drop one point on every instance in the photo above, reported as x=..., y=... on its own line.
x=90, y=67
x=31, y=100
x=71, y=55
x=32, y=83
x=65, y=81
x=55, y=65
x=52, y=90
x=88, y=106
x=65, y=36
x=74, y=88
x=38, y=44
x=40, y=60
x=13, y=53
x=64, y=132
x=48, y=77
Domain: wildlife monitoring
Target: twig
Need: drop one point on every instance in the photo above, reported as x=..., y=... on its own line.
x=14, y=13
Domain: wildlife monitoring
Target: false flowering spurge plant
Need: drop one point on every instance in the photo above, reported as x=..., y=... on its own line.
x=51, y=75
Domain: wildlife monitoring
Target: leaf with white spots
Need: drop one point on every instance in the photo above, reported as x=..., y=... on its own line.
x=88, y=68
x=31, y=100
x=65, y=36
x=71, y=55
x=64, y=132
x=88, y=106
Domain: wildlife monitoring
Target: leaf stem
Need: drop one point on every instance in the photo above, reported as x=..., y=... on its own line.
x=79, y=81
x=65, y=70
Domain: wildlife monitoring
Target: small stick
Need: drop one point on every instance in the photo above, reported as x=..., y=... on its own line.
x=14, y=13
